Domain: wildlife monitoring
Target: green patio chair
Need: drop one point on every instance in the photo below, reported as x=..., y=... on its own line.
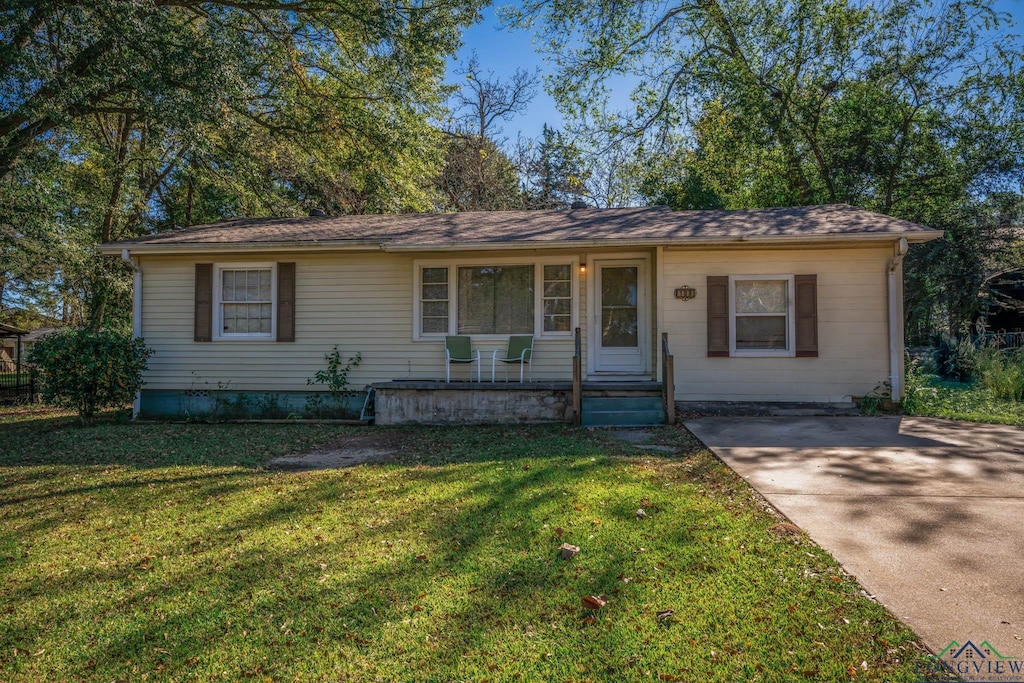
x=520, y=350
x=459, y=349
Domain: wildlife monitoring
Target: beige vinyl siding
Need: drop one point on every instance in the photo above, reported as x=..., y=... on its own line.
x=852, y=326
x=363, y=302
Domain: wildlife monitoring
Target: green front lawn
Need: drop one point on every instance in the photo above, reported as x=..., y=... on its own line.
x=932, y=396
x=167, y=551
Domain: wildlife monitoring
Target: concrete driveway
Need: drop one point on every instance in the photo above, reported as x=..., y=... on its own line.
x=928, y=514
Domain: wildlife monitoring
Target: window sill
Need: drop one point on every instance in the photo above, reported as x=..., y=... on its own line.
x=762, y=353
x=246, y=338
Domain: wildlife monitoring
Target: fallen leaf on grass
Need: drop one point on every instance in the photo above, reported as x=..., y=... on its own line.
x=784, y=529
x=559, y=531
x=594, y=601
x=422, y=556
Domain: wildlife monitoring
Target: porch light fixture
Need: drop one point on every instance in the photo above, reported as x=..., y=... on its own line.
x=685, y=293
x=583, y=269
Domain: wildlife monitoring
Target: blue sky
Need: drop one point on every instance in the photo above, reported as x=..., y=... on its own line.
x=503, y=51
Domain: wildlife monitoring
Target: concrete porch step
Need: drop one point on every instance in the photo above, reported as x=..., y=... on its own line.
x=622, y=411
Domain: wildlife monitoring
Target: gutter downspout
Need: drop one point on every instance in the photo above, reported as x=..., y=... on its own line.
x=136, y=314
x=895, y=277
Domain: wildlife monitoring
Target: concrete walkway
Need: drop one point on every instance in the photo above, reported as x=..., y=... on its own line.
x=928, y=514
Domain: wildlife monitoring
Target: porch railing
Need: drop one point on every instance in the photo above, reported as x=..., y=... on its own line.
x=668, y=380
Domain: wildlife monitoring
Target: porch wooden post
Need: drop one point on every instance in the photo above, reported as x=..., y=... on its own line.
x=577, y=382
x=668, y=378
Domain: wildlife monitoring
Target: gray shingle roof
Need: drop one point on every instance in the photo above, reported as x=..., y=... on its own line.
x=537, y=228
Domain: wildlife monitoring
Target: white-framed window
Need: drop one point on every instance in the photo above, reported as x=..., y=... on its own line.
x=434, y=298
x=761, y=318
x=245, y=301
x=557, y=297
x=496, y=297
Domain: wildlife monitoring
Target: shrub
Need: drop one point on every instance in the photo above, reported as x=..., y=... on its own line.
x=88, y=370
x=335, y=375
x=954, y=357
x=335, y=378
x=1001, y=371
x=917, y=391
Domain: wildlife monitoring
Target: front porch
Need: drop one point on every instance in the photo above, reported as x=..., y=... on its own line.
x=591, y=403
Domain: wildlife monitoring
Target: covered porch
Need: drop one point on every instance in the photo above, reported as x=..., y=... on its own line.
x=595, y=403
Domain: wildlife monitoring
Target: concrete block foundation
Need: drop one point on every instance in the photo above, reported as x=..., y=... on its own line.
x=472, y=403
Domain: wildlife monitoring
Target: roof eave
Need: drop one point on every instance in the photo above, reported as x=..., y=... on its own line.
x=115, y=248
x=913, y=237
x=685, y=242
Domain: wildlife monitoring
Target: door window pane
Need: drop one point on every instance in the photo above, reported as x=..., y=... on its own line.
x=619, y=316
x=495, y=300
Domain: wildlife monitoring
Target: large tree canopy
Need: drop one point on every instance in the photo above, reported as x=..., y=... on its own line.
x=119, y=117
x=908, y=107
x=351, y=69
x=853, y=100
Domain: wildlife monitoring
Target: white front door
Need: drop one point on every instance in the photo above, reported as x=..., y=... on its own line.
x=620, y=336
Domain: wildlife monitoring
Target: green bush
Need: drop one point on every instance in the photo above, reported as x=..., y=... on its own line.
x=88, y=370
x=917, y=391
x=954, y=356
x=335, y=378
x=1001, y=371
